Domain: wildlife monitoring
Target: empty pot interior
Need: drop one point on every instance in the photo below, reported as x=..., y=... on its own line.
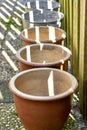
x=43, y=33
x=39, y=17
x=42, y=4
x=40, y=82
x=43, y=53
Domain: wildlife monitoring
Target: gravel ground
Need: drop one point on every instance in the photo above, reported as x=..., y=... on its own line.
x=9, y=33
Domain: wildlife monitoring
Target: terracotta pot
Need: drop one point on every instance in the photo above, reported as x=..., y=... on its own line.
x=43, y=97
x=42, y=4
x=43, y=55
x=43, y=34
x=42, y=18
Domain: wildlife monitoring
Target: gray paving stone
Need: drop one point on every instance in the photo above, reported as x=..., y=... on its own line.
x=6, y=94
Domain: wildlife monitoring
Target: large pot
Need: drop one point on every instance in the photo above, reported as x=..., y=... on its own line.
x=43, y=55
x=43, y=34
x=43, y=97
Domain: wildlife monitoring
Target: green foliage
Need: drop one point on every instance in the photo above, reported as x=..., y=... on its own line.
x=9, y=22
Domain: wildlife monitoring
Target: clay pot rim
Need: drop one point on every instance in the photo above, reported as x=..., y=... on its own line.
x=43, y=41
x=68, y=55
x=69, y=92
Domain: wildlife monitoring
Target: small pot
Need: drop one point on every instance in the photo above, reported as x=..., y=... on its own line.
x=43, y=97
x=43, y=34
x=42, y=18
x=42, y=4
x=43, y=55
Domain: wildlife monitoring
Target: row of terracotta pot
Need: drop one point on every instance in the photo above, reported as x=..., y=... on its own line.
x=43, y=90
x=49, y=51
